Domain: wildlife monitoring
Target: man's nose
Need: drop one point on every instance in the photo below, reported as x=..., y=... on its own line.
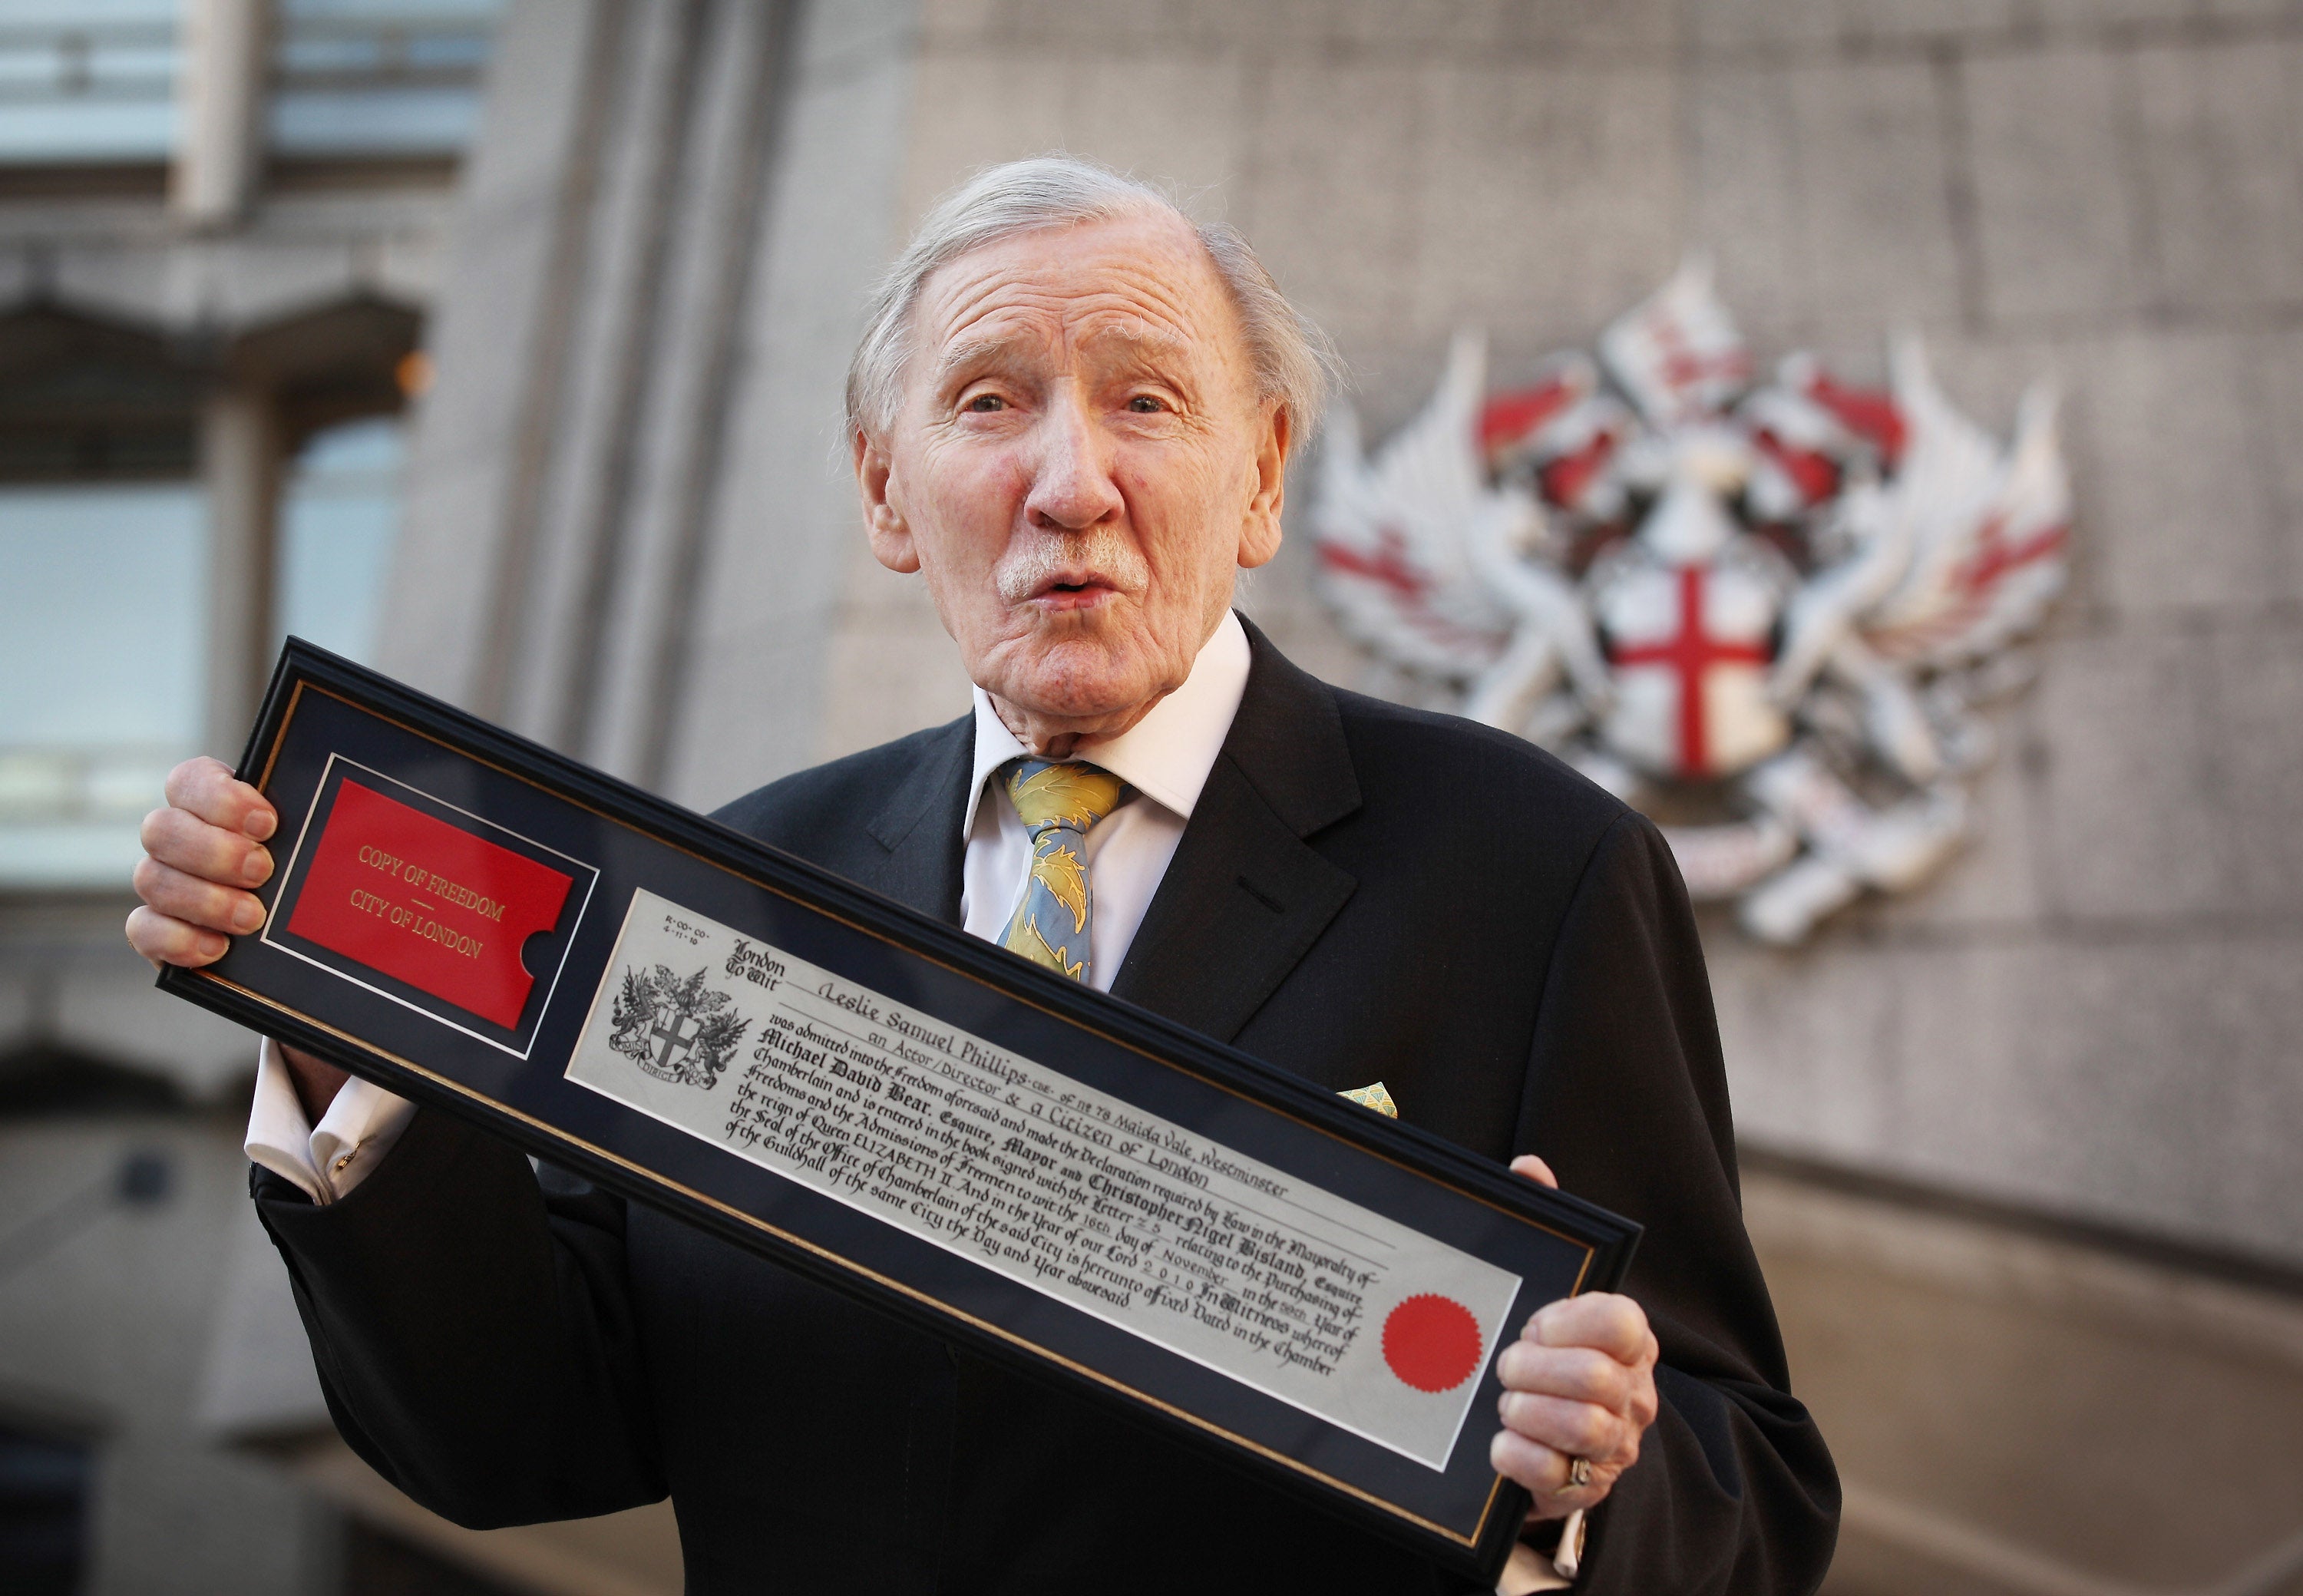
x=1073, y=488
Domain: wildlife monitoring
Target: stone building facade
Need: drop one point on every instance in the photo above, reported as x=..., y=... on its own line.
x=2090, y=1013
x=198, y=276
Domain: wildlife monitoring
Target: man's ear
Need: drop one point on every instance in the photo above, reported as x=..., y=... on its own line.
x=1259, y=532
x=883, y=522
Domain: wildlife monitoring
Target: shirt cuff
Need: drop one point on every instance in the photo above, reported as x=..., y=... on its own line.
x=1529, y=1570
x=327, y=1161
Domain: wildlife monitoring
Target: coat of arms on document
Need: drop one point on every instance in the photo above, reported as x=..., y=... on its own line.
x=676, y=1029
x=1767, y=612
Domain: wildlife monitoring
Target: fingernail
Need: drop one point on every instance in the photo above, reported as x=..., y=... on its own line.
x=249, y=916
x=256, y=866
x=212, y=947
x=258, y=823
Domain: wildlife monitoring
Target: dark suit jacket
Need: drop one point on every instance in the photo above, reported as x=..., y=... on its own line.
x=1364, y=893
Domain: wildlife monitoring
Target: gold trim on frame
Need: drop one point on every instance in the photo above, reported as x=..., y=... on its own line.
x=888, y=1283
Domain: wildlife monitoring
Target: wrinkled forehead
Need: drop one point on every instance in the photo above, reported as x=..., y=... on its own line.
x=1140, y=287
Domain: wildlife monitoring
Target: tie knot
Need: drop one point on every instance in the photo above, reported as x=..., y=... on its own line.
x=1069, y=794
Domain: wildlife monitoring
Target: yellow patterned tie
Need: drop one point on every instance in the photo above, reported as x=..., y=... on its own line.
x=1058, y=803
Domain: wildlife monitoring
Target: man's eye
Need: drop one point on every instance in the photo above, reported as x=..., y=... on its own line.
x=987, y=402
x=1143, y=404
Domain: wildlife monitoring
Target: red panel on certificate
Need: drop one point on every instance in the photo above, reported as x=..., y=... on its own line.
x=427, y=903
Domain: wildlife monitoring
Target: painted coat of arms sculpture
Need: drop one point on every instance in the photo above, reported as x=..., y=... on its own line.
x=1767, y=612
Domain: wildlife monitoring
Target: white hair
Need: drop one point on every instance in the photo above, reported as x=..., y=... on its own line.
x=1293, y=361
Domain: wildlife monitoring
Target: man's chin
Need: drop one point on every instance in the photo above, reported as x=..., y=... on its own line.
x=1078, y=679
x=1086, y=706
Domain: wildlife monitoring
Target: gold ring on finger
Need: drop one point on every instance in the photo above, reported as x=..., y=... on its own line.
x=1579, y=1472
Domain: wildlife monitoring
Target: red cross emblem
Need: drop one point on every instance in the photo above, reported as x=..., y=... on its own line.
x=1692, y=652
x=676, y=1032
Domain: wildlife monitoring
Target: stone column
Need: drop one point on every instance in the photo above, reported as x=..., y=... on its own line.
x=627, y=516
x=240, y=466
x=220, y=144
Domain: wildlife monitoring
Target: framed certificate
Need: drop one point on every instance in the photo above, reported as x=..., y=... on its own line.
x=873, y=1098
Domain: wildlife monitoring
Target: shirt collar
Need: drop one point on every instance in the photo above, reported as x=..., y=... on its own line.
x=1167, y=755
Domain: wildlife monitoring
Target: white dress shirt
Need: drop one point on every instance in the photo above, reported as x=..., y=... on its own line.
x=1166, y=756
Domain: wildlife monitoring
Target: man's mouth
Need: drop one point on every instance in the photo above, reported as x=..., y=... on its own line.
x=1080, y=573
x=1074, y=591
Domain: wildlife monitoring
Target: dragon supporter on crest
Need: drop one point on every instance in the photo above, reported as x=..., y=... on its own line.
x=1071, y=414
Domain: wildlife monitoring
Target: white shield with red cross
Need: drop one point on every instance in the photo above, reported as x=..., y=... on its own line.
x=1688, y=647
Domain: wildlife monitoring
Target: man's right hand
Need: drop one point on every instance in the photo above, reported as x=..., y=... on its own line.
x=202, y=853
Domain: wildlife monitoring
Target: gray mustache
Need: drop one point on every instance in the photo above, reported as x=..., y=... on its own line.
x=1026, y=567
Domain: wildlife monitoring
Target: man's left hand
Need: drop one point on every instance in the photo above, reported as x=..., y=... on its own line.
x=1579, y=1383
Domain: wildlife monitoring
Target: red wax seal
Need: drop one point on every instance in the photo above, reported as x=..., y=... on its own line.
x=1431, y=1342
x=427, y=903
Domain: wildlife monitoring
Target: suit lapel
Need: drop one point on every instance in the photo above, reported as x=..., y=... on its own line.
x=919, y=826
x=1245, y=896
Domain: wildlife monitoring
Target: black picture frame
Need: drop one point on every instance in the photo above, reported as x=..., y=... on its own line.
x=323, y=716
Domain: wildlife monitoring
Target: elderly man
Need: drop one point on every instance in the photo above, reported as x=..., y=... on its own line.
x=1072, y=413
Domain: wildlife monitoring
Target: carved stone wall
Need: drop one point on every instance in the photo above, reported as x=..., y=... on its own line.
x=2092, y=1012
